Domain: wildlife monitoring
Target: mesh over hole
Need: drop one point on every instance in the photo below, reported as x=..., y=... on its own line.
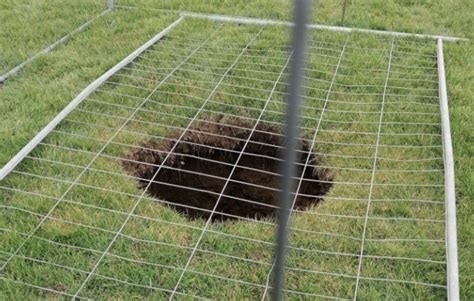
x=193, y=176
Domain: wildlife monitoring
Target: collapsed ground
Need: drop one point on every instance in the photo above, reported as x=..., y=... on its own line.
x=195, y=173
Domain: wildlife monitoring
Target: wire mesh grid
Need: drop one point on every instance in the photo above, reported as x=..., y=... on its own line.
x=77, y=223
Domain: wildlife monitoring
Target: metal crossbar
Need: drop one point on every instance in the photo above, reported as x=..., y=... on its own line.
x=259, y=21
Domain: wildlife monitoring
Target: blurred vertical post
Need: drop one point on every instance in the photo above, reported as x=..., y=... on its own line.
x=343, y=17
x=288, y=169
x=110, y=4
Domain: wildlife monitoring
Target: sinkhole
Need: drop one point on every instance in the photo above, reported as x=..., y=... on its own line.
x=207, y=166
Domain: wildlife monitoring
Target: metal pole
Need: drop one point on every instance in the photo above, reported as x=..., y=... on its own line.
x=449, y=191
x=344, y=6
x=110, y=4
x=288, y=183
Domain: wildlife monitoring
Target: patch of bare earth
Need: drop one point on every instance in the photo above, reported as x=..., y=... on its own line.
x=193, y=176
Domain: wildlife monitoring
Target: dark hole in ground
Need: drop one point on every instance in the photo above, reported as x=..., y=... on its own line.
x=205, y=179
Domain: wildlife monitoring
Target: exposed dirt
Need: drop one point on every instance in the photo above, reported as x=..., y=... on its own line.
x=206, y=179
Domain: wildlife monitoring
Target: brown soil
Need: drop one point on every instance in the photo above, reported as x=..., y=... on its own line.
x=212, y=175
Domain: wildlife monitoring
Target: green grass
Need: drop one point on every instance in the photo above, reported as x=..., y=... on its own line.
x=20, y=37
x=32, y=98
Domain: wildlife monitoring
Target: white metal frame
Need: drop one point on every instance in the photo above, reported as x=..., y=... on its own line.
x=450, y=193
x=246, y=20
x=261, y=21
x=450, y=202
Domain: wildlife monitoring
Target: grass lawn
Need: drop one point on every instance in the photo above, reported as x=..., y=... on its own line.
x=202, y=62
x=20, y=38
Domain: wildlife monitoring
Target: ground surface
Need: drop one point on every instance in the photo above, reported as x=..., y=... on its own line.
x=57, y=18
x=50, y=83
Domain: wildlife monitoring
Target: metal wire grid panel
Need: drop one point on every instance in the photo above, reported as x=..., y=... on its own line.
x=76, y=224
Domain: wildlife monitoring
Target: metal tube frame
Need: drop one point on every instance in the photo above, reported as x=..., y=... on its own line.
x=246, y=20
x=449, y=185
x=260, y=21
